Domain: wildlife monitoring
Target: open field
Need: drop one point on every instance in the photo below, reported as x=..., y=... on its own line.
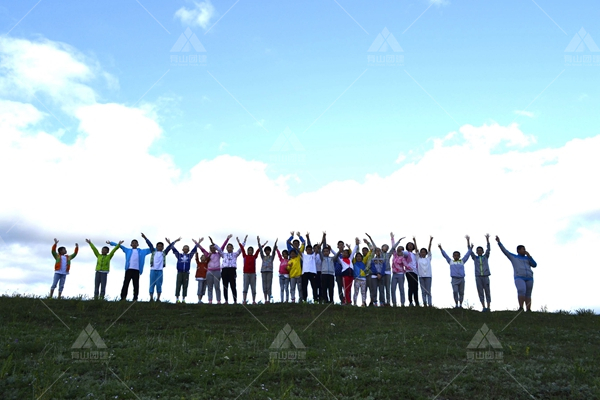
x=190, y=351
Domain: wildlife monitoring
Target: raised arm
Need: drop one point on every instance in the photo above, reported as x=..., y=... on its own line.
x=429, y=247
x=468, y=255
x=76, y=251
x=371, y=239
x=487, y=250
x=94, y=249
x=241, y=247
x=112, y=252
x=503, y=249
x=148, y=242
x=444, y=254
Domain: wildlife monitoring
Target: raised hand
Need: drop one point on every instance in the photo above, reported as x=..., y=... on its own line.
x=292, y=233
x=238, y=239
x=211, y=241
x=121, y=242
x=348, y=246
x=357, y=240
x=487, y=237
x=307, y=234
x=228, y=237
x=366, y=241
x=144, y=236
x=167, y=240
x=497, y=239
x=440, y=246
x=200, y=241
x=258, y=240
x=88, y=241
x=55, y=240
x=298, y=233
x=245, y=238
x=76, y=244
x=108, y=241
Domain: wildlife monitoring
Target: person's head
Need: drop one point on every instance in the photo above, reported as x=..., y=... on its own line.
x=268, y=250
x=105, y=250
x=346, y=253
x=293, y=253
x=309, y=249
x=186, y=249
x=521, y=250
x=365, y=251
x=378, y=252
x=203, y=258
x=358, y=257
x=456, y=255
x=423, y=252
x=160, y=246
x=213, y=248
x=410, y=246
x=134, y=244
x=229, y=248
x=479, y=250
x=285, y=254
x=250, y=251
x=326, y=251
x=296, y=243
x=62, y=251
x=317, y=248
x=400, y=250
x=385, y=248
x=340, y=245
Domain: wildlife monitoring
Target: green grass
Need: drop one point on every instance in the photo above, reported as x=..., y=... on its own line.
x=168, y=351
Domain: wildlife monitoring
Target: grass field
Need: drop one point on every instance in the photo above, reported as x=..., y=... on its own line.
x=190, y=351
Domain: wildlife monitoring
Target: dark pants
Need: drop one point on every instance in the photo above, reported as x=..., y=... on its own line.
x=228, y=275
x=131, y=275
x=340, y=285
x=318, y=283
x=327, y=282
x=312, y=278
x=100, y=284
x=413, y=287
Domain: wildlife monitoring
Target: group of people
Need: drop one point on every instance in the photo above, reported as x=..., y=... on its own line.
x=379, y=270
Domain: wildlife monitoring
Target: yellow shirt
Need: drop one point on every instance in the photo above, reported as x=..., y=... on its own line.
x=294, y=267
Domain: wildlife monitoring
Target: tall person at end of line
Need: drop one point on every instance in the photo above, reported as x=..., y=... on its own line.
x=522, y=262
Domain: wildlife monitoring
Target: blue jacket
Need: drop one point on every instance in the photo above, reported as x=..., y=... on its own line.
x=184, y=260
x=359, y=267
x=141, y=252
x=457, y=268
x=521, y=264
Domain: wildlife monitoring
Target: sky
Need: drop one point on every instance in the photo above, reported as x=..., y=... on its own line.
x=197, y=118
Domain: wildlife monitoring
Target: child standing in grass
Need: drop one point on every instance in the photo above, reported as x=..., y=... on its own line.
x=201, y=271
x=249, y=270
x=134, y=267
x=457, y=272
x=213, y=275
x=522, y=263
x=482, y=274
x=360, y=278
x=377, y=270
x=158, y=261
x=309, y=271
x=102, y=267
x=184, y=261
x=295, y=268
x=399, y=265
x=266, y=269
x=424, y=270
x=327, y=271
x=62, y=266
x=284, y=274
x=412, y=274
x=229, y=269
x=345, y=258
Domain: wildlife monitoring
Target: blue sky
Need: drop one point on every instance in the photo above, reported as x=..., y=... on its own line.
x=483, y=125
x=286, y=63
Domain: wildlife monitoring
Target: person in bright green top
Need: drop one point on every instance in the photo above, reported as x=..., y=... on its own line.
x=102, y=267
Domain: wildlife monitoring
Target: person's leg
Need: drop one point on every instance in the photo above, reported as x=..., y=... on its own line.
x=429, y=290
x=178, y=284
x=269, y=286
x=486, y=290
x=363, y=292
x=455, y=283
x=340, y=284
x=253, y=287
x=373, y=291
x=186, y=281
x=293, y=289
x=356, y=290
x=126, y=281
x=479, y=285
x=461, y=291
x=304, y=286
x=394, y=285
x=286, y=285
x=97, y=285
x=245, y=284
x=318, y=284
x=528, y=290
x=199, y=292
x=225, y=276
x=217, y=280
x=323, y=292
x=103, y=279
x=423, y=295
x=61, y=284
x=210, y=283
x=348, y=287
x=159, y=282
x=136, y=284
x=381, y=284
x=401, y=284
x=281, y=286
x=387, y=281
x=263, y=276
x=312, y=278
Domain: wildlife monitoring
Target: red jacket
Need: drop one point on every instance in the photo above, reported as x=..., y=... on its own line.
x=249, y=261
x=201, y=268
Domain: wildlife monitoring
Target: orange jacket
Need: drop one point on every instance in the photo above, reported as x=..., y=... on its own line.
x=57, y=258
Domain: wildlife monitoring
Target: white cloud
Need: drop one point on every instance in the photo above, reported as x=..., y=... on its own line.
x=439, y=2
x=524, y=113
x=198, y=15
x=401, y=157
x=107, y=185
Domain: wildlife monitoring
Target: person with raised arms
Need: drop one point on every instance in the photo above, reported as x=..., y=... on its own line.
x=134, y=266
x=229, y=269
x=482, y=274
x=249, y=270
x=184, y=262
x=522, y=262
x=102, y=267
x=213, y=274
x=424, y=272
x=457, y=272
x=412, y=274
x=266, y=269
x=327, y=271
x=158, y=261
x=62, y=266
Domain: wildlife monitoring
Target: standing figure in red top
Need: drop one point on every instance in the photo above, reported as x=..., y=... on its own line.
x=249, y=270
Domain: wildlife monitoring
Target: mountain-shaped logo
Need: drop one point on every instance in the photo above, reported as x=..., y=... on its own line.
x=186, y=42
x=580, y=41
x=89, y=338
x=384, y=41
x=287, y=141
x=484, y=339
x=286, y=338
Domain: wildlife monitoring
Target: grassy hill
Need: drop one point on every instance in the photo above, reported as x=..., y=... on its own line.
x=190, y=351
